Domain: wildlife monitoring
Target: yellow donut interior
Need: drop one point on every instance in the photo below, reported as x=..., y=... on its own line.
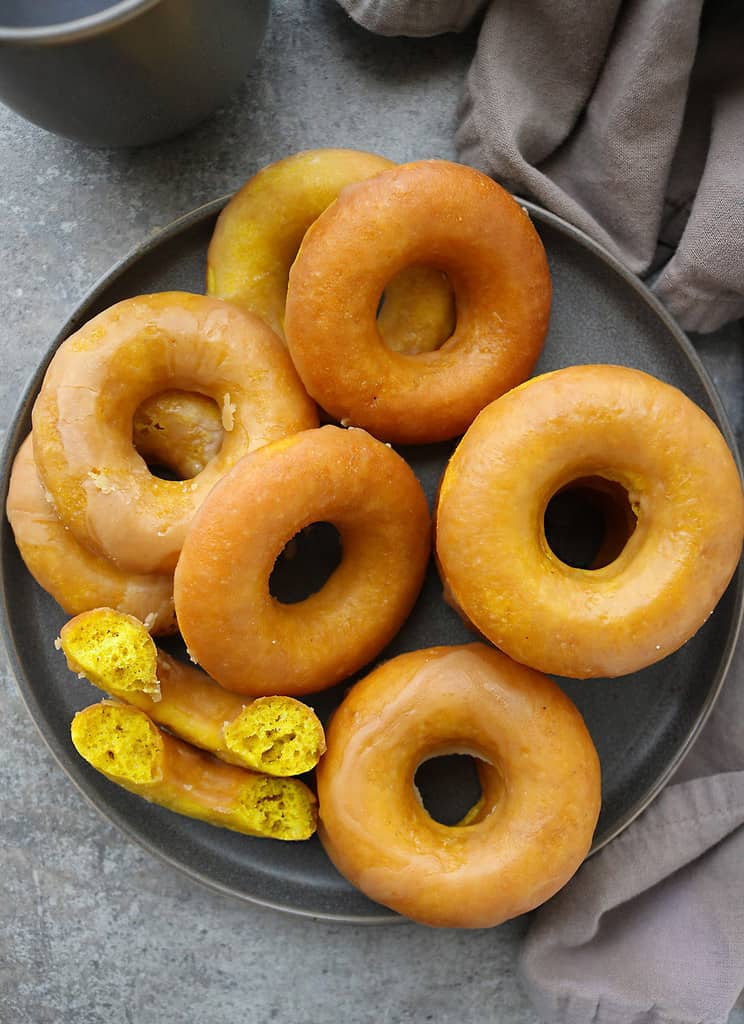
x=276, y=734
x=119, y=741
x=278, y=808
x=112, y=650
x=123, y=744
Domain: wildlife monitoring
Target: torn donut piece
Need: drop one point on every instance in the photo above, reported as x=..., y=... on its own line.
x=124, y=744
x=275, y=735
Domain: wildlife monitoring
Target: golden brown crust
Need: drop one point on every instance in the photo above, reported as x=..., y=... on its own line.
x=259, y=232
x=246, y=639
x=77, y=578
x=102, y=489
x=539, y=773
x=448, y=216
x=621, y=425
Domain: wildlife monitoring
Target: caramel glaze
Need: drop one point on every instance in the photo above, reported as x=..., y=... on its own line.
x=101, y=487
x=620, y=425
x=539, y=772
x=445, y=215
x=77, y=578
x=259, y=232
x=241, y=635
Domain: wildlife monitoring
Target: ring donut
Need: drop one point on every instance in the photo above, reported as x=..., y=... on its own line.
x=599, y=427
x=101, y=487
x=77, y=578
x=259, y=232
x=539, y=774
x=433, y=212
x=249, y=641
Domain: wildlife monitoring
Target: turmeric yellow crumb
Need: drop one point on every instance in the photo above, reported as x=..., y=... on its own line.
x=277, y=808
x=279, y=735
x=119, y=741
x=112, y=650
x=126, y=746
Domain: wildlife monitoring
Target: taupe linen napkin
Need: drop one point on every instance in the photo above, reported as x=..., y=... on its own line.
x=626, y=117
x=651, y=929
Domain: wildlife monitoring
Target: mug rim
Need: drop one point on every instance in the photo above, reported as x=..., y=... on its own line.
x=77, y=29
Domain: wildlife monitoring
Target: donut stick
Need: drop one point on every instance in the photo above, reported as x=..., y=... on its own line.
x=275, y=735
x=181, y=430
x=257, y=236
x=75, y=577
x=123, y=744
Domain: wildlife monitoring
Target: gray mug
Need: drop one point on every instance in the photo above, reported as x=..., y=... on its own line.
x=134, y=72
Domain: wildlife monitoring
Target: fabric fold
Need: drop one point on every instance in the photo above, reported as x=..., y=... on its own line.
x=412, y=17
x=625, y=117
x=651, y=927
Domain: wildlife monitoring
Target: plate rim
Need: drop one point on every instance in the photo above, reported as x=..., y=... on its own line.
x=12, y=441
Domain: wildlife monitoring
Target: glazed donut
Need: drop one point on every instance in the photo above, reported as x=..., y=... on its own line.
x=539, y=774
x=260, y=230
x=249, y=641
x=123, y=744
x=590, y=426
x=452, y=217
x=76, y=578
x=181, y=430
x=274, y=735
x=101, y=487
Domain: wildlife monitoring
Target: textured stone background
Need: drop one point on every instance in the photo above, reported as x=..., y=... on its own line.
x=91, y=927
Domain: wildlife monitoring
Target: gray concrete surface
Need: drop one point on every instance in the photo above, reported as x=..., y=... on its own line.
x=92, y=928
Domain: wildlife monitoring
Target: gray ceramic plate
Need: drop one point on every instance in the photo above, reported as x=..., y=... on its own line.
x=641, y=724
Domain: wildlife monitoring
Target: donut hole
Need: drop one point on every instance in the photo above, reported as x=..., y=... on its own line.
x=448, y=786
x=177, y=433
x=306, y=563
x=588, y=522
x=416, y=311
